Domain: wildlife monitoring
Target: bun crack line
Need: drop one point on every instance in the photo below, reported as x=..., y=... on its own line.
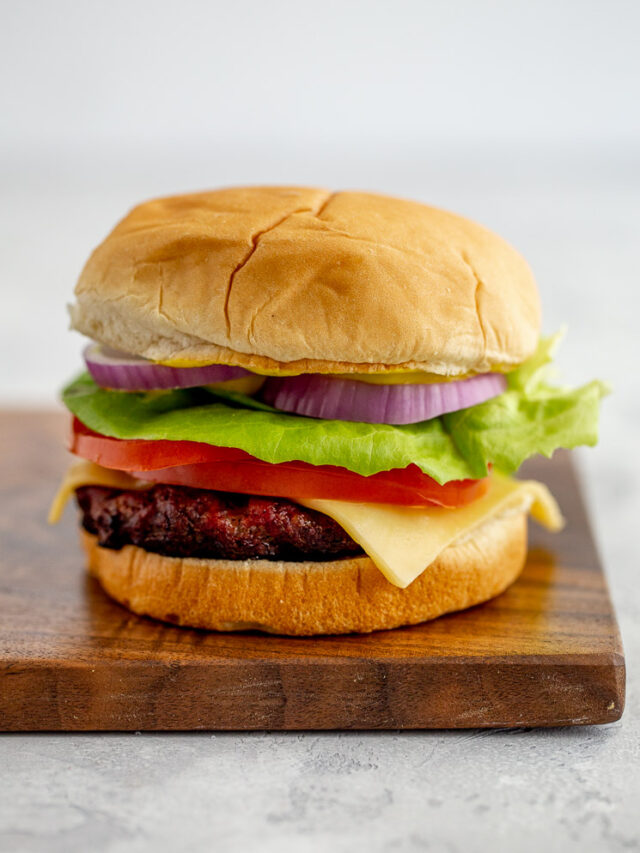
x=255, y=240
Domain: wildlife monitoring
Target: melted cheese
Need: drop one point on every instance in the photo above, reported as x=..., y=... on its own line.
x=84, y=473
x=389, y=376
x=244, y=385
x=401, y=541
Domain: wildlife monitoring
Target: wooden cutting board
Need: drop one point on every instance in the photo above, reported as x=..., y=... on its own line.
x=545, y=653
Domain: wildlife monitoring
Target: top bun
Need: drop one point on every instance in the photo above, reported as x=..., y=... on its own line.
x=304, y=280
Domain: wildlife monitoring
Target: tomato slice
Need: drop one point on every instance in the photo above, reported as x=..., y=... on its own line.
x=203, y=466
x=135, y=454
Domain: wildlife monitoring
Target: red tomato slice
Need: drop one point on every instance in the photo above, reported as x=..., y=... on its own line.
x=203, y=466
x=135, y=454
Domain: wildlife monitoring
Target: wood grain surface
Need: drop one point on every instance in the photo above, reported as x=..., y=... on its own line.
x=547, y=652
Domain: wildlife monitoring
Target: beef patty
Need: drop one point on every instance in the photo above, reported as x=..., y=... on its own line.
x=181, y=522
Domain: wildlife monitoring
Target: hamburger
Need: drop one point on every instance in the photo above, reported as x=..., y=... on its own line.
x=303, y=410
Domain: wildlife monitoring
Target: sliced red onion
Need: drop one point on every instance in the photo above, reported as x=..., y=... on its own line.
x=113, y=369
x=349, y=400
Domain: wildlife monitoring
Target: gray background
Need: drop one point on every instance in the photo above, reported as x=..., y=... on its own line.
x=521, y=115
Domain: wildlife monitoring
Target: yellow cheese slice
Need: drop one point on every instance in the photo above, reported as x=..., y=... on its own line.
x=403, y=541
x=84, y=473
x=243, y=385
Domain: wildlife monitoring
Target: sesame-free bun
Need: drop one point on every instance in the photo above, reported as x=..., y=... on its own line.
x=290, y=278
x=307, y=598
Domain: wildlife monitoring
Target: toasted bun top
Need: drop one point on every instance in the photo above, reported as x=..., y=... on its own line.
x=310, y=281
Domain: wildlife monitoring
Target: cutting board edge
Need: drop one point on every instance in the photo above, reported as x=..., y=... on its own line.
x=265, y=695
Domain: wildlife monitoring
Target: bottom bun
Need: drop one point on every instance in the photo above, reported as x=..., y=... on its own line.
x=306, y=598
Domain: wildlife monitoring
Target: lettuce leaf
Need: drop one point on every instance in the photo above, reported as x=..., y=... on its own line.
x=530, y=417
x=536, y=371
x=512, y=427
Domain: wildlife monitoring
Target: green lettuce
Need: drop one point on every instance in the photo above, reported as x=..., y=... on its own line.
x=530, y=417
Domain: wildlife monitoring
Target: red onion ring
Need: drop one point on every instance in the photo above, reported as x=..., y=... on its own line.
x=113, y=369
x=349, y=400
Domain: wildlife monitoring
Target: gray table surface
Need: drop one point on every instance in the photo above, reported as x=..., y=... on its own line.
x=561, y=790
